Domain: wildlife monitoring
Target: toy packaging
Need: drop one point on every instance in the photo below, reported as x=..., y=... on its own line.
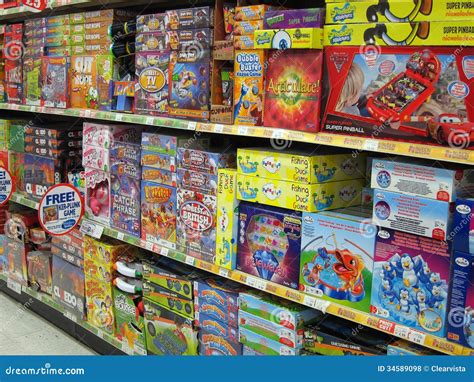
x=68, y=286
x=401, y=347
x=151, y=23
x=412, y=214
x=168, y=333
x=156, y=175
x=419, y=178
x=168, y=143
x=244, y=42
x=97, y=196
x=91, y=82
x=100, y=306
x=59, y=145
x=153, y=159
x=299, y=196
x=67, y=256
x=188, y=18
x=123, y=96
x=220, y=293
x=189, y=39
x=249, y=87
x=197, y=181
x=16, y=254
x=205, y=161
x=104, y=136
x=196, y=224
x=252, y=12
x=247, y=28
x=461, y=304
x=53, y=133
x=129, y=317
x=269, y=243
x=463, y=231
x=124, y=168
x=153, y=41
x=337, y=257
x=39, y=265
x=410, y=280
x=304, y=38
x=32, y=80
x=227, y=218
x=151, y=91
x=124, y=151
x=293, y=90
x=300, y=166
x=168, y=299
x=158, y=214
x=263, y=344
x=125, y=204
x=105, y=251
x=397, y=11
x=211, y=344
x=190, y=84
x=402, y=93
x=294, y=18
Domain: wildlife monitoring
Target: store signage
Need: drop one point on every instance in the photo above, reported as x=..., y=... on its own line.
x=6, y=185
x=35, y=5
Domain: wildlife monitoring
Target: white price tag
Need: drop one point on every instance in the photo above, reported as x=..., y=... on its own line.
x=189, y=260
x=224, y=272
x=416, y=337
x=218, y=128
x=164, y=251
x=87, y=113
x=321, y=305
x=401, y=331
x=126, y=348
x=261, y=284
x=371, y=145
x=92, y=229
x=14, y=106
x=277, y=134
x=32, y=109
x=192, y=125
x=252, y=281
x=71, y=316
x=100, y=334
x=120, y=235
x=15, y=286
x=119, y=117
x=149, y=246
x=309, y=301
x=243, y=130
x=149, y=121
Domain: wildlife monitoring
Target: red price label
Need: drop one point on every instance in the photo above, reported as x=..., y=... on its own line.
x=35, y=5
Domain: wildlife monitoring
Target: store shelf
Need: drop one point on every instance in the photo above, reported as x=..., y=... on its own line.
x=48, y=300
x=282, y=136
x=20, y=199
x=17, y=12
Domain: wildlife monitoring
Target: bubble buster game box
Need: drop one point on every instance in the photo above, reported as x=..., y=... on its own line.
x=413, y=94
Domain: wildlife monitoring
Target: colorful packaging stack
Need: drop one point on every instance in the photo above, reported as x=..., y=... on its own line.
x=216, y=305
x=35, y=40
x=13, y=135
x=99, y=142
x=197, y=202
x=271, y=327
x=169, y=308
x=152, y=60
x=12, y=53
x=298, y=180
x=190, y=38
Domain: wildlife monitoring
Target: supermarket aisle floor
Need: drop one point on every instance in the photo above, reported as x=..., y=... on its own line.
x=24, y=333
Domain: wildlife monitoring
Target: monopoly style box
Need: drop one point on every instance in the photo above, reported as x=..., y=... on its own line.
x=269, y=243
x=294, y=18
x=400, y=11
x=402, y=93
x=337, y=257
x=299, y=166
x=293, y=90
x=411, y=276
x=298, y=38
x=419, y=178
x=168, y=333
x=463, y=226
x=158, y=214
x=151, y=92
x=461, y=304
x=249, y=87
x=299, y=196
x=227, y=218
x=412, y=214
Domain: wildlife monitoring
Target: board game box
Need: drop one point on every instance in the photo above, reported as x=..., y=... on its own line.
x=55, y=82
x=125, y=204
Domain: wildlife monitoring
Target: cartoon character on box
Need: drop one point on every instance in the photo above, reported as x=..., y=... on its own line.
x=99, y=301
x=196, y=224
x=158, y=209
x=55, y=82
x=125, y=204
x=39, y=271
x=405, y=93
x=411, y=278
x=15, y=253
x=98, y=196
x=269, y=243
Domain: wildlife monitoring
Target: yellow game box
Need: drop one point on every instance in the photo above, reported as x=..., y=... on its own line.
x=296, y=38
x=398, y=11
x=300, y=167
x=299, y=196
x=227, y=218
x=424, y=33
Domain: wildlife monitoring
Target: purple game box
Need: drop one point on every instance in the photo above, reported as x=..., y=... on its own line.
x=294, y=18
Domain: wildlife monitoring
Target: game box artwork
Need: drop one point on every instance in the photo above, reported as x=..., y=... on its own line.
x=410, y=281
x=463, y=240
x=411, y=94
x=55, y=82
x=151, y=91
x=125, y=204
x=337, y=257
x=100, y=305
x=97, y=195
x=269, y=243
x=293, y=90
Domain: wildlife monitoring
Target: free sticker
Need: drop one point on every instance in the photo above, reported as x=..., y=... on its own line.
x=60, y=209
x=6, y=185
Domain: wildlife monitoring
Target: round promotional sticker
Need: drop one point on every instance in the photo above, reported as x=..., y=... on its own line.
x=6, y=185
x=60, y=209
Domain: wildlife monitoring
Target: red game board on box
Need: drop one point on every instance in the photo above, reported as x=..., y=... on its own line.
x=293, y=90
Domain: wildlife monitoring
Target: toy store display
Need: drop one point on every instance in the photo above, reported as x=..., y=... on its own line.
x=337, y=254
x=410, y=282
x=13, y=63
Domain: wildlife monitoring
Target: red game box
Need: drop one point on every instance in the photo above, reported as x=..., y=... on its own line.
x=293, y=89
x=412, y=94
